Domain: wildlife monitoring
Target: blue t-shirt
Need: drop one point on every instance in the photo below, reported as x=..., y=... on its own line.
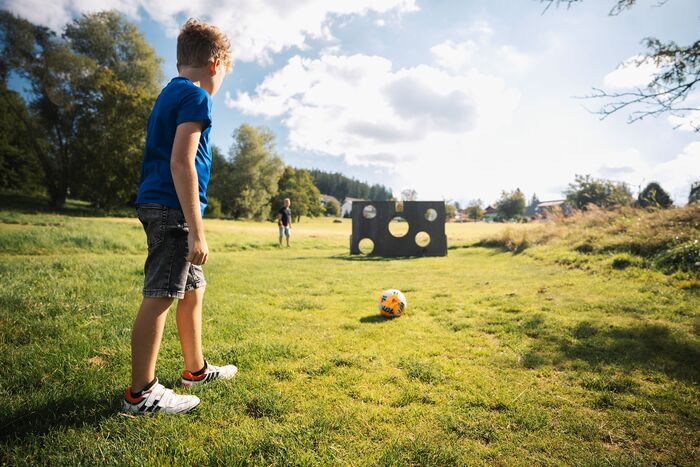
x=180, y=101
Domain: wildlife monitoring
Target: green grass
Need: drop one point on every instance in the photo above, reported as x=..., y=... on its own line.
x=547, y=356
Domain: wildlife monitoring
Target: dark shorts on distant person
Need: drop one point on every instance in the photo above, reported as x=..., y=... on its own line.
x=167, y=272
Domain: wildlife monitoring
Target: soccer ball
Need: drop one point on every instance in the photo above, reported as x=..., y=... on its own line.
x=392, y=303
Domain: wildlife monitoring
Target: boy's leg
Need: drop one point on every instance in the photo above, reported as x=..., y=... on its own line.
x=288, y=233
x=281, y=234
x=189, y=327
x=145, y=340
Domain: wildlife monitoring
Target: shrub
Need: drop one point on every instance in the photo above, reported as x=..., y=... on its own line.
x=684, y=257
x=654, y=196
x=213, y=210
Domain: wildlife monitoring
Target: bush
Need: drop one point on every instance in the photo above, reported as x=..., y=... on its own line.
x=682, y=257
x=655, y=197
x=517, y=239
x=213, y=210
x=587, y=190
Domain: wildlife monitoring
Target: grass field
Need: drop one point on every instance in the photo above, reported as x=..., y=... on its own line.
x=501, y=359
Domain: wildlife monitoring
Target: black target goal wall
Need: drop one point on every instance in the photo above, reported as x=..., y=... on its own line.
x=422, y=224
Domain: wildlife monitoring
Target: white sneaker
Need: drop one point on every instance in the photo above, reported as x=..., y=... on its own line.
x=211, y=373
x=158, y=399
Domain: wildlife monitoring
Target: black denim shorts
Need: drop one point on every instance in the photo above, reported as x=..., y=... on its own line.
x=167, y=271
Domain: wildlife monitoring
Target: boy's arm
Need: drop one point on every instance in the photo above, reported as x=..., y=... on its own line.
x=186, y=185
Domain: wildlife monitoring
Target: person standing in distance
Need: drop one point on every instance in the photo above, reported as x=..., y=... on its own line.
x=284, y=221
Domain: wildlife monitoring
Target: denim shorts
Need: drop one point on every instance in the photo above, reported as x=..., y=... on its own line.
x=285, y=230
x=167, y=271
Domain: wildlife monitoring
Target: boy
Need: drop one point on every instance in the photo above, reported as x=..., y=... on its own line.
x=284, y=221
x=170, y=203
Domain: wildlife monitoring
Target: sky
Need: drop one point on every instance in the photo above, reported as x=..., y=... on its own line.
x=458, y=100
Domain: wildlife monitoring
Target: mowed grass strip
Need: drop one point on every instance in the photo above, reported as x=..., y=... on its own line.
x=500, y=358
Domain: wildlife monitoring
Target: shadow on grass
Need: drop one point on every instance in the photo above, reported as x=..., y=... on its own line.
x=373, y=319
x=69, y=412
x=647, y=347
x=374, y=258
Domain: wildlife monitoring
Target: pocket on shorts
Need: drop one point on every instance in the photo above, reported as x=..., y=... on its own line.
x=152, y=218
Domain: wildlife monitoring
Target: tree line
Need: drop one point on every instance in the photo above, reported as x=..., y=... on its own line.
x=583, y=192
x=340, y=187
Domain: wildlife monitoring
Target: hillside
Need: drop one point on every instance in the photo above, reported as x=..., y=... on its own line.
x=663, y=240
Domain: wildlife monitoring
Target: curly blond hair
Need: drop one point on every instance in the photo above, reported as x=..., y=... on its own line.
x=200, y=43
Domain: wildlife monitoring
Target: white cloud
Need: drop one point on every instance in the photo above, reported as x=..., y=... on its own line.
x=481, y=52
x=360, y=108
x=688, y=122
x=454, y=56
x=676, y=175
x=635, y=72
x=482, y=29
x=380, y=23
x=422, y=126
x=257, y=29
x=513, y=59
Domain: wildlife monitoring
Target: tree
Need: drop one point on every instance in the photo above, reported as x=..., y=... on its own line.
x=256, y=170
x=18, y=169
x=603, y=193
x=89, y=93
x=654, y=196
x=532, y=207
x=450, y=210
x=677, y=77
x=221, y=183
x=332, y=208
x=409, y=194
x=694, y=195
x=511, y=204
x=298, y=186
x=475, y=209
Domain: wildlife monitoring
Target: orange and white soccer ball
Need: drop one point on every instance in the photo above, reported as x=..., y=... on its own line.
x=392, y=303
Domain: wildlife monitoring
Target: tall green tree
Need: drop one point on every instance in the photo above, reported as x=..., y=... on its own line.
x=605, y=194
x=19, y=170
x=511, y=204
x=654, y=196
x=90, y=91
x=256, y=170
x=298, y=186
x=222, y=184
x=475, y=209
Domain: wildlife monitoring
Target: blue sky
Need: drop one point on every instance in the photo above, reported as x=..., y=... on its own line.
x=458, y=100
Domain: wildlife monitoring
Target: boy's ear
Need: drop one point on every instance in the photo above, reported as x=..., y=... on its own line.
x=213, y=65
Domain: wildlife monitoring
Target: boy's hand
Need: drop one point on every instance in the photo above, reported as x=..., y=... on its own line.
x=198, y=249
